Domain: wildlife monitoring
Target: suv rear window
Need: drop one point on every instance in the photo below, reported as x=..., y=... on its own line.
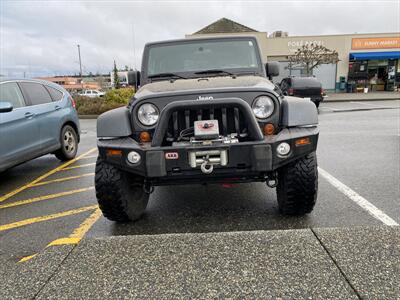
x=36, y=93
x=305, y=82
x=55, y=94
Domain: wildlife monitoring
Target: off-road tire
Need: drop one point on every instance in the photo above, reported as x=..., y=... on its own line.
x=298, y=186
x=120, y=195
x=68, y=150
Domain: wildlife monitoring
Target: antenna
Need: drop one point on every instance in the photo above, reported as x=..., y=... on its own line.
x=134, y=48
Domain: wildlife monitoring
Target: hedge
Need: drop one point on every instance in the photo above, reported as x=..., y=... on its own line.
x=95, y=106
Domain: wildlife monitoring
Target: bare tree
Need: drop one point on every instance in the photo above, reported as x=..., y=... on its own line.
x=101, y=81
x=311, y=55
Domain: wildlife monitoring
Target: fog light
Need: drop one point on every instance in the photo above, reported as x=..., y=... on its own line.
x=133, y=157
x=283, y=149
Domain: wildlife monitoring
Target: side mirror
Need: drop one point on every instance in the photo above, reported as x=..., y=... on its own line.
x=5, y=107
x=134, y=79
x=272, y=69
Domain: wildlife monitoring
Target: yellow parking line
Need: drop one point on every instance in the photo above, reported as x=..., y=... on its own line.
x=46, y=218
x=62, y=179
x=79, y=166
x=45, y=197
x=40, y=178
x=26, y=258
x=76, y=236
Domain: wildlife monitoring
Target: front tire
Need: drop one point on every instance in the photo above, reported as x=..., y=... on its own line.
x=69, y=143
x=298, y=186
x=120, y=195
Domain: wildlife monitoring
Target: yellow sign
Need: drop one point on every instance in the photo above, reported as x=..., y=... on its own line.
x=375, y=43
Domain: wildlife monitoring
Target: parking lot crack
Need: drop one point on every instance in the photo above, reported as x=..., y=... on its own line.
x=54, y=273
x=336, y=264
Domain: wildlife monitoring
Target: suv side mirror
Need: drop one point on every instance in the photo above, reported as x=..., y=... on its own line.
x=134, y=79
x=5, y=107
x=272, y=69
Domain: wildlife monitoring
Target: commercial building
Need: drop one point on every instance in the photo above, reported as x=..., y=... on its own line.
x=75, y=84
x=365, y=60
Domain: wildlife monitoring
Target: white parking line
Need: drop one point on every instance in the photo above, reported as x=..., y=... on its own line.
x=358, y=199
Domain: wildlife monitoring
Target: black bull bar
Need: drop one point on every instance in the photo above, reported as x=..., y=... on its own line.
x=254, y=130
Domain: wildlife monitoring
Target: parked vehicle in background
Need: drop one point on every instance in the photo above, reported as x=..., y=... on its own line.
x=92, y=93
x=303, y=87
x=36, y=118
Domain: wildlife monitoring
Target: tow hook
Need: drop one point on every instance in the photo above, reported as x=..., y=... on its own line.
x=148, y=188
x=272, y=180
x=206, y=167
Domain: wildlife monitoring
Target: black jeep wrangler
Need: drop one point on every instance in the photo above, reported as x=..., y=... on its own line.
x=206, y=112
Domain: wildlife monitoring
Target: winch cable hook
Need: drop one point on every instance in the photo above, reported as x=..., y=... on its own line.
x=206, y=167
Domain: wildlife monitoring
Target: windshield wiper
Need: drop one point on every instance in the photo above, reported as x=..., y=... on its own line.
x=162, y=75
x=215, y=71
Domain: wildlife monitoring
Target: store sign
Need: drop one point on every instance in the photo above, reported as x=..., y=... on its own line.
x=375, y=43
x=297, y=44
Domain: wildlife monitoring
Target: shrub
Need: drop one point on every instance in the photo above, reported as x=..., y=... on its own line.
x=95, y=106
x=119, y=95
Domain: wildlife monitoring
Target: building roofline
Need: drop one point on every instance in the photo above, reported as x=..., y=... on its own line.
x=343, y=34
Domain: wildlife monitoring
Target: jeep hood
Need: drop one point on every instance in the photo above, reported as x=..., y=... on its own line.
x=202, y=85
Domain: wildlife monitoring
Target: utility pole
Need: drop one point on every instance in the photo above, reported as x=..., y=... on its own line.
x=80, y=64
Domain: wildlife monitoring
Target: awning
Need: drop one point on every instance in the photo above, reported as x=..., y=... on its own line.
x=374, y=55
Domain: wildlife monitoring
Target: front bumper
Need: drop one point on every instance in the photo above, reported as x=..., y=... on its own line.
x=247, y=161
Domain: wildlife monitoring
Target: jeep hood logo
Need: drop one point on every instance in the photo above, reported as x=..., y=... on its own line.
x=205, y=98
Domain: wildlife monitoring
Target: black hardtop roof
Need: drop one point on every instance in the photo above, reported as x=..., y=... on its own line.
x=214, y=38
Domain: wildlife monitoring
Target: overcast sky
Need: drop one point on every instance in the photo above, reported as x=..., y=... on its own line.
x=40, y=37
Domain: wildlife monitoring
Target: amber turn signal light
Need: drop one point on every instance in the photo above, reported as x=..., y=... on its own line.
x=113, y=152
x=269, y=129
x=144, y=137
x=302, y=141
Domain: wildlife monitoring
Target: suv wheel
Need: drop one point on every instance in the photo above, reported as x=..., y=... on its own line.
x=120, y=195
x=298, y=186
x=69, y=143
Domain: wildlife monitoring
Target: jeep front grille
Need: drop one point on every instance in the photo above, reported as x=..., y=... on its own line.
x=230, y=120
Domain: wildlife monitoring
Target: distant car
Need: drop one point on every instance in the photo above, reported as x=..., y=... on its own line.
x=36, y=118
x=92, y=93
x=303, y=87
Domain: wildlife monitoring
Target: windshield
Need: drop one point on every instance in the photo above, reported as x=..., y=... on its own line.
x=233, y=55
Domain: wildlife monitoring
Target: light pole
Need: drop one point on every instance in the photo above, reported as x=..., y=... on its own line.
x=80, y=64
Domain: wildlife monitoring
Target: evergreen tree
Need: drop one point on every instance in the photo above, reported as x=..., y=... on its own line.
x=115, y=75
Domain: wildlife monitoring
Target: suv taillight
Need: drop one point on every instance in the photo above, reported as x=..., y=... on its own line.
x=72, y=101
x=290, y=92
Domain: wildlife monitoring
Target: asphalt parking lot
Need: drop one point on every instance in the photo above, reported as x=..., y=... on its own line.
x=45, y=202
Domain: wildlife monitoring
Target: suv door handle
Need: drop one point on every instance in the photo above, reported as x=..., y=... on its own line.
x=29, y=115
x=57, y=107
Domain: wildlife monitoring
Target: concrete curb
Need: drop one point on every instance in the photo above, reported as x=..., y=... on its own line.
x=359, y=99
x=329, y=263
x=88, y=116
x=362, y=109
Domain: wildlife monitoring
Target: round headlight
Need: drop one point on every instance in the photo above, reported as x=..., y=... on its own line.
x=263, y=107
x=148, y=114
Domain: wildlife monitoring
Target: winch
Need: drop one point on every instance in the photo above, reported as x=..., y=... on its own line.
x=206, y=133
x=206, y=159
